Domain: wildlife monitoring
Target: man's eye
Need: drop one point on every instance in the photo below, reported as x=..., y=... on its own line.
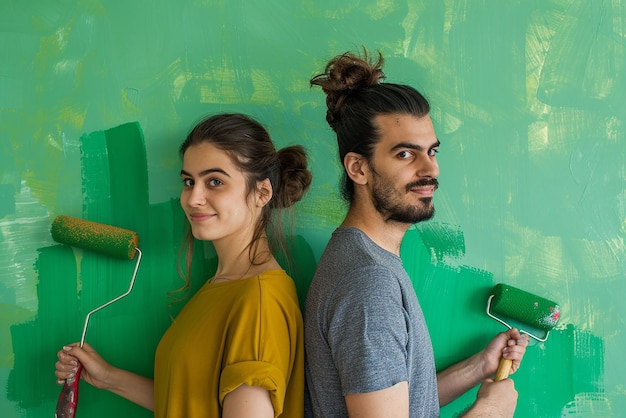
x=404, y=154
x=433, y=152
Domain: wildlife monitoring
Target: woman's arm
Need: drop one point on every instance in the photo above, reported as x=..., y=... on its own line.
x=248, y=402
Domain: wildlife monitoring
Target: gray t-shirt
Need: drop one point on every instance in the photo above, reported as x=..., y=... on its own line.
x=364, y=329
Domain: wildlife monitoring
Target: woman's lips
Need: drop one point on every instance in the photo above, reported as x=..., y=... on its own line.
x=200, y=217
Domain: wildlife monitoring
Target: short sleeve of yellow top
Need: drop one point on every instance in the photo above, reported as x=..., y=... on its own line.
x=246, y=331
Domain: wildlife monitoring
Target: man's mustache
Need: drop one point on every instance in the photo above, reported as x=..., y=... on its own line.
x=422, y=183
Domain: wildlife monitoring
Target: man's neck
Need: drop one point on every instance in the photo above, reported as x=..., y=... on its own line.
x=386, y=234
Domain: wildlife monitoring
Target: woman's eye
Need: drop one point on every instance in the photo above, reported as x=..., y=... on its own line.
x=214, y=182
x=187, y=182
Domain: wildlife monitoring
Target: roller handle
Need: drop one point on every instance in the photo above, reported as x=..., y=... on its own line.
x=504, y=369
x=68, y=399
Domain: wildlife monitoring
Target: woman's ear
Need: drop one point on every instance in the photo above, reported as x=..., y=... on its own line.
x=356, y=167
x=264, y=192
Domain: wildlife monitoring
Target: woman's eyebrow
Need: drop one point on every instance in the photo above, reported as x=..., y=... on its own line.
x=205, y=172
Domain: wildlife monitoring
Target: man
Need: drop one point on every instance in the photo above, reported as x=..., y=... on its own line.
x=368, y=350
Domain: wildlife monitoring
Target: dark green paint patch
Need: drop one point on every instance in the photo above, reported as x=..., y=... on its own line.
x=72, y=282
x=444, y=240
x=36, y=342
x=454, y=301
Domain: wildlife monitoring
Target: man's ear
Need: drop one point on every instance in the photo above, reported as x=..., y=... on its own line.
x=356, y=167
x=264, y=192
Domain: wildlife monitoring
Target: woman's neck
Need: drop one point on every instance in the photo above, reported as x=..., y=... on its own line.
x=249, y=262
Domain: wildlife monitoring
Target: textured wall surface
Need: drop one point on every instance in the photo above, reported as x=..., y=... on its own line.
x=528, y=102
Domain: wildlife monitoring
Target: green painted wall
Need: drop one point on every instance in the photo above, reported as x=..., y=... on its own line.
x=528, y=101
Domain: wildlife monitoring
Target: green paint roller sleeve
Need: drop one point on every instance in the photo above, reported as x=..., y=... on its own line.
x=106, y=239
x=524, y=307
x=519, y=305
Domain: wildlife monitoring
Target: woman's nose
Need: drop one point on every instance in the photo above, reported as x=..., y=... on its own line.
x=196, y=197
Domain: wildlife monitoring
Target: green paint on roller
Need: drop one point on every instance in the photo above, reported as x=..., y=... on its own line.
x=106, y=239
x=525, y=307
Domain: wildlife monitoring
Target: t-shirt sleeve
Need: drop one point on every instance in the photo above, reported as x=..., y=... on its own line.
x=368, y=331
x=255, y=373
x=262, y=347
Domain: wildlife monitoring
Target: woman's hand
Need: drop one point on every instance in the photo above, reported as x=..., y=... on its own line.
x=97, y=372
x=95, y=369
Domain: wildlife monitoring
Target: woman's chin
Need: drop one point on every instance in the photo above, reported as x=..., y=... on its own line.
x=201, y=235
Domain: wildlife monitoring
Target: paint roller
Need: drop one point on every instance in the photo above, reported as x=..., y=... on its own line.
x=515, y=304
x=105, y=239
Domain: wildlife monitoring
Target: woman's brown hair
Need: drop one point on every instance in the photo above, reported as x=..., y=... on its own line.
x=251, y=149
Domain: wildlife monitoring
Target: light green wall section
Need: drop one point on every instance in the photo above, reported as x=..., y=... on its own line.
x=528, y=102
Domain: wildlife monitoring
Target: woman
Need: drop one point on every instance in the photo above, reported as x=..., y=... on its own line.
x=236, y=349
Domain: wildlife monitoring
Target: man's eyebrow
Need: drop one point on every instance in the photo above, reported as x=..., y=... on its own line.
x=413, y=146
x=205, y=172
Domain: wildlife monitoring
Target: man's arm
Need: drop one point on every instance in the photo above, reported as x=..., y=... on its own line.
x=461, y=377
x=392, y=402
x=494, y=400
x=458, y=379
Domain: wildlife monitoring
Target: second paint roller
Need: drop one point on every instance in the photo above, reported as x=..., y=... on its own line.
x=105, y=239
x=510, y=303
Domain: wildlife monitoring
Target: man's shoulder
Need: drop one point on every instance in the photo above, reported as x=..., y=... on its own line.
x=348, y=243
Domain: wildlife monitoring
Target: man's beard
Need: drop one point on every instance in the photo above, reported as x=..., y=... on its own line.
x=388, y=202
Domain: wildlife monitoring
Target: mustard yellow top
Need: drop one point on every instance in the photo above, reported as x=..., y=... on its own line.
x=230, y=333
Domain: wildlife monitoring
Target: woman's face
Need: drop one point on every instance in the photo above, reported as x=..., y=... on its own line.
x=215, y=197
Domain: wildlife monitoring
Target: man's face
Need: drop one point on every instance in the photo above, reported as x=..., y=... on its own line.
x=404, y=168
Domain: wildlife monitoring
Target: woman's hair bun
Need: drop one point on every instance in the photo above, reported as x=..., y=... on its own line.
x=295, y=178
